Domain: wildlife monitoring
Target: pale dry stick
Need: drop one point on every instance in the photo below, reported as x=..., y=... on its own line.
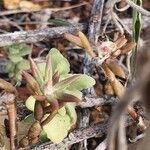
x=138, y=8
x=111, y=15
x=8, y=101
x=38, y=35
x=4, y=13
x=12, y=118
x=122, y=9
x=93, y=34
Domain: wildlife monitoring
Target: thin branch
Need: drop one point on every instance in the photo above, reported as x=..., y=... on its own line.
x=76, y=136
x=50, y=33
x=138, y=8
x=95, y=21
x=100, y=101
x=81, y=134
x=38, y=35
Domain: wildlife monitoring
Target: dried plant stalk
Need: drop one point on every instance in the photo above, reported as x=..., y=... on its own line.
x=12, y=116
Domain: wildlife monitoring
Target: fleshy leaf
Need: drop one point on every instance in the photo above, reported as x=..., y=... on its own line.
x=41, y=67
x=15, y=58
x=48, y=69
x=65, y=97
x=67, y=82
x=57, y=129
x=70, y=109
x=43, y=137
x=62, y=111
x=74, y=92
x=30, y=103
x=81, y=83
x=23, y=65
x=10, y=66
x=59, y=62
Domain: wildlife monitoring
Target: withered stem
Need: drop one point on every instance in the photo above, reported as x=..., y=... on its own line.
x=12, y=116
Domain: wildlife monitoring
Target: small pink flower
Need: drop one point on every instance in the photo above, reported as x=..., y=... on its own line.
x=106, y=48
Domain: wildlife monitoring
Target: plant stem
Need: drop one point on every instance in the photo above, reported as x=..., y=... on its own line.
x=12, y=117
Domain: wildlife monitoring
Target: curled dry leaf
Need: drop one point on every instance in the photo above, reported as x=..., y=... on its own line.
x=24, y=142
x=118, y=89
x=34, y=130
x=116, y=69
x=108, y=89
x=8, y=87
x=74, y=39
x=128, y=47
x=86, y=44
x=121, y=42
x=38, y=111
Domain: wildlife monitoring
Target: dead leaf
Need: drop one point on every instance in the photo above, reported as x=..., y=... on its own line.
x=29, y=6
x=11, y=4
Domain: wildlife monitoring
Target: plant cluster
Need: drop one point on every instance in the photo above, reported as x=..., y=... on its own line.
x=107, y=54
x=55, y=93
x=17, y=63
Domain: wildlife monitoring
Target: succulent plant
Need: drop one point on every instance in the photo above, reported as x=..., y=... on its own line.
x=16, y=62
x=55, y=93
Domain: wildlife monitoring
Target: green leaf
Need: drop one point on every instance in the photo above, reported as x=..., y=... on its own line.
x=30, y=103
x=18, y=76
x=74, y=92
x=43, y=137
x=10, y=66
x=25, y=50
x=83, y=82
x=18, y=49
x=70, y=109
x=41, y=67
x=57, y=129
x=29, y=119
x=62, y=111
x=136, y=23
x=60, y=22
x=23, y=65
x=15, y=58
x=59, y=62
x=66, y=82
